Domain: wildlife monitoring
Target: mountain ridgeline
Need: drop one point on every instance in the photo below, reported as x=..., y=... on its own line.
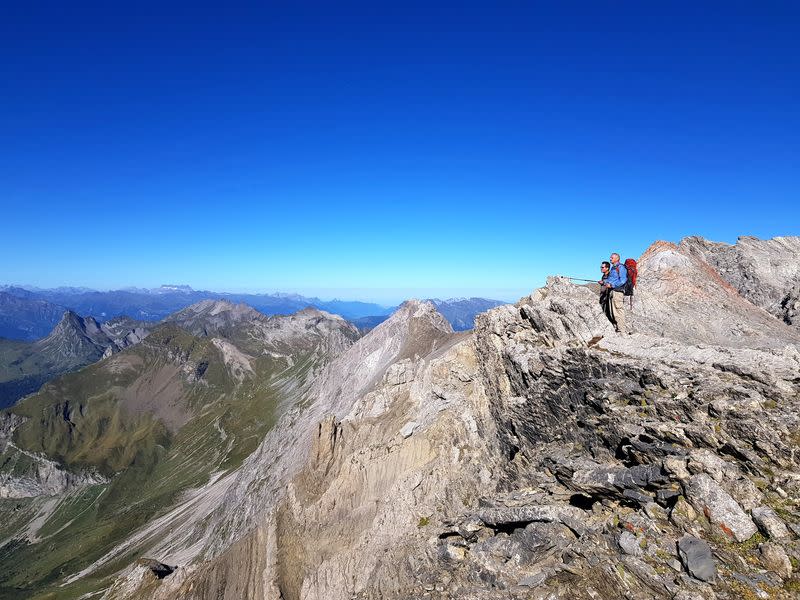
x=30, y=314
x=74, y=343
x=229, y=454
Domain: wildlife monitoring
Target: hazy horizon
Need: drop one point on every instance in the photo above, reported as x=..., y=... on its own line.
x=386, y=298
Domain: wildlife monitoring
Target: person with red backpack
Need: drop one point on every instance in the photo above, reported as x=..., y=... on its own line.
x=617, y=279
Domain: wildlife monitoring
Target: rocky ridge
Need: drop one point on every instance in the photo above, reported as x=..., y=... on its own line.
x=540, y=456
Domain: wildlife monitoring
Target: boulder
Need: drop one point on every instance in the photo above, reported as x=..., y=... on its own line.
x=708, y=498
x=697, y=558
x=770, y=523
x=774, y=558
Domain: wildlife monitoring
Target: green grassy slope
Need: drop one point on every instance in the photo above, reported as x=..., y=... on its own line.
x=207, y=422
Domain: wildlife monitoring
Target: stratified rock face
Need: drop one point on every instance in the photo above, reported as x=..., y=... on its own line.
x=538, y=456
x=766, y=272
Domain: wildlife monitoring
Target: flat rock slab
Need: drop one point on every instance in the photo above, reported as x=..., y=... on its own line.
x=697, y=558
x=528, y=514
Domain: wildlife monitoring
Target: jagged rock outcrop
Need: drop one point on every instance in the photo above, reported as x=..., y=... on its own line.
x=766, y=272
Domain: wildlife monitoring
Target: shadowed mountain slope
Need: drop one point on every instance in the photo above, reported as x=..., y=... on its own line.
x=23, y=317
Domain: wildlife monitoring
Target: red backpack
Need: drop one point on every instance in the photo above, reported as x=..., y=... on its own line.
x=630, y=266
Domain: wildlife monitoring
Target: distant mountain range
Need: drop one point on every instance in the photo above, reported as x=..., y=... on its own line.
x=73, y=342
x=31, y=313
x=23, y=317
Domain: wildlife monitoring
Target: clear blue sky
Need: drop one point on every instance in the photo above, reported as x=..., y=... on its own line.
x=382, y=150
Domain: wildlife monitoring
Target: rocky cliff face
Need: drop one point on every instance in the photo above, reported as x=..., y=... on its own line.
x=539, y=456
x=766, y=272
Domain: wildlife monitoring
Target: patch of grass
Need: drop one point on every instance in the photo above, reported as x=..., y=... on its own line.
x=423, y=522
x=750, y=544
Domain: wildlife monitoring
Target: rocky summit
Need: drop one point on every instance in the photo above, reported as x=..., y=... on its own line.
x=539, y=455
x=73, y=343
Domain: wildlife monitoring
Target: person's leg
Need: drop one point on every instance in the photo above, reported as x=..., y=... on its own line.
x=617, y=298
x=605, y=300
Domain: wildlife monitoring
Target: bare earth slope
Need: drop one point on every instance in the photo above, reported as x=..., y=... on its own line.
x=538, y=456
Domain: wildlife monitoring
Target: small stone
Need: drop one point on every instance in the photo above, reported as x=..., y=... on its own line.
x=676, y=466
x=455, y=552
x=682, y=514
x=629, y=544
x=697, y=558
x=774, y=558
x=534, y=580
x=654, y=511
x=745, y=493
x=408, y=429
x=770, y=523
x=665, y=496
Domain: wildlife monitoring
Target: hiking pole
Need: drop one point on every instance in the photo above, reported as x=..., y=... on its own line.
x=579, y=279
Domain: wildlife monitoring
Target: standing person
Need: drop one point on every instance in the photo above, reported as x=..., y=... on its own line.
x=615, y=283
x=605, y=292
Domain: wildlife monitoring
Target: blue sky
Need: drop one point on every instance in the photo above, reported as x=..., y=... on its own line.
x=382, y=152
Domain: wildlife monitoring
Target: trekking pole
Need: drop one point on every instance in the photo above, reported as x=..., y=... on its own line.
x=579, y=279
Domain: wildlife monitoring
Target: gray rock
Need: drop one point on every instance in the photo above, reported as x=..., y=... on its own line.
x=408, y=429
x=534, y=580
x=629, y=544
x=708, y=497
x=526, y=514
x=770, y=523
x=697, y=558
x=774, y=558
